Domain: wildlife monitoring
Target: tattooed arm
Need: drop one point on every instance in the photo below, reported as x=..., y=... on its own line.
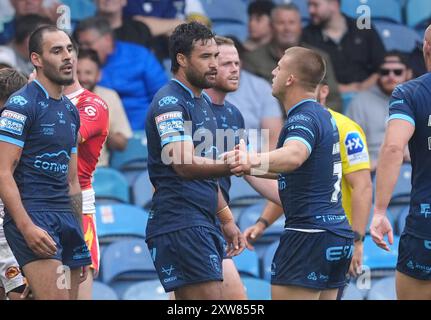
x=75, y=189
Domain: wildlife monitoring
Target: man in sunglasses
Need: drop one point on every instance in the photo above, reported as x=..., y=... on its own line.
x=370, y=108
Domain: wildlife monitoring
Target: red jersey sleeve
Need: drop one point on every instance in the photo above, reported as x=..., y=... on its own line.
x=94, y=116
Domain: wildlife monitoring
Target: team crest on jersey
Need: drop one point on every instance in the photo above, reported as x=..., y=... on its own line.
x=167, y=101
x=19, y=100
x=12, y=272
x=90, y=111
x=170, y=122
x=356, y=149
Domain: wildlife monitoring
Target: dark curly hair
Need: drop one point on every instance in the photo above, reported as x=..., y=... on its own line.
x=183, y=39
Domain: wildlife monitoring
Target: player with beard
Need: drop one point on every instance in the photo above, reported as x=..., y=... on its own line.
x=38, y=173
x=183, y=234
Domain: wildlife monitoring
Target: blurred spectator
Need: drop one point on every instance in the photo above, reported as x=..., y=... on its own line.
x=370, y=108
x=22, y=8
x=125, y=29
x=7, y=57
x=258, y=107
x=25, y=25
x=287, y=30
x=119, y=127
x=356, y=53
x=161, y=16
x=10, y=79
x=259, y=24
x=131, y=70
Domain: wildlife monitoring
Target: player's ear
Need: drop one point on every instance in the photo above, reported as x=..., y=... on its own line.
x=182, y=60
x=36, y=59
x=290, y=80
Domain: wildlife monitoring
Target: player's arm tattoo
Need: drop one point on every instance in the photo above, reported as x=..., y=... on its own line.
x=76, y=202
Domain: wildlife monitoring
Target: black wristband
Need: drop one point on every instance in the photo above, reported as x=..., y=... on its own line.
x=264, y=221
x=358, y=237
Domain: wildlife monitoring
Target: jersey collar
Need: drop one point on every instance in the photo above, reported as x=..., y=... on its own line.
x=204, y=94
x=300, y=103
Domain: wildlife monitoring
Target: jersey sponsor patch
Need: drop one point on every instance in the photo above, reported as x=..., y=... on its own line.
x=14, y=116
x=12, y=126
x=165, y=101
x=90, y=111
x=170, y=122
x=18, y=100
x=355, y=147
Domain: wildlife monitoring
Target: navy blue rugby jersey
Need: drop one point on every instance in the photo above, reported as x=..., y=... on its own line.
x=311, y=194
x=46, y=130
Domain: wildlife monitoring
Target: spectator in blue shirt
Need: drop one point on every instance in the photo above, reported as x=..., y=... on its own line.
x=131, y=70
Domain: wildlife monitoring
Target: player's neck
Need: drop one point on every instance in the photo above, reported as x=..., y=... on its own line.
x=217, y=96
x=54, y=90
x=183, y=79
x=76, y=86
x=293, y=98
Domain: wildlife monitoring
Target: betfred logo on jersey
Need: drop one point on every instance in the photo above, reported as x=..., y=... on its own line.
x=14, y=116
x=355, y=147
x=170, y=122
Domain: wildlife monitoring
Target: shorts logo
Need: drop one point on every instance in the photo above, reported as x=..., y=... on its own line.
x=356, y=150
x=19, y=100
x=411, y=265
x=338, y=253
x=11, y=126
x=170, y=122
x=168, y=271
x=167, y=101
x=90, y=111
x=426, y=210
x=81, y=252
x=273, y=269
x=12, y=272
x=427, y=244
x=215, y=262
x=312, y=276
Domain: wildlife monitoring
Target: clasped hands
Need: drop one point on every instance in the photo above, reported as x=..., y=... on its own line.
x=239, y=160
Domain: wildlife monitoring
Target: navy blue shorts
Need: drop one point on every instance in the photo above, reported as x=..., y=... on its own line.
x=63, y=228
x=414, y=257
x=312, y=260
x=187, y=256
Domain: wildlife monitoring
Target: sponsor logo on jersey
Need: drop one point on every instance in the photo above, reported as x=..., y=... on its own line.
x=12, y=126
x=14, y=116
x=18, y=100
x=170, y=122
x=90, y=111
x=356, y=149
x=167, y=101
x=53, y=162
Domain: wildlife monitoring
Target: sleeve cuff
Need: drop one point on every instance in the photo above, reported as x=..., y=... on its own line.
x=10, y=140
x=171, y=139
x=301, y=140
x=400, y=116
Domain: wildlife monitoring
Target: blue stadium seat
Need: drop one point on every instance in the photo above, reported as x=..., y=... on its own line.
x=226, y=10
x=120, y=220
x=142, y=190
x=351, y=292
x=389, y=10
x=257, y=289
x=81, y=9
x=102, y=292
x=134, y=157
x=126, y=262
x=397, y=36
x=146, y=290
x=111, y=185
x=403, y=187
x=237, y=29
x=383, y=289
x=418, y=11
x=249, y=216
x=379, y=260
x=401, y=221
x=247, y=263
x=241, y=193
x=267, y=259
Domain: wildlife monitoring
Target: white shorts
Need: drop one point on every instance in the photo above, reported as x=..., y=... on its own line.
x=10, y=273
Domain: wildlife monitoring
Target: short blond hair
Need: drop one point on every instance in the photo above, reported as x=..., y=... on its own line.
x=224, y=41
